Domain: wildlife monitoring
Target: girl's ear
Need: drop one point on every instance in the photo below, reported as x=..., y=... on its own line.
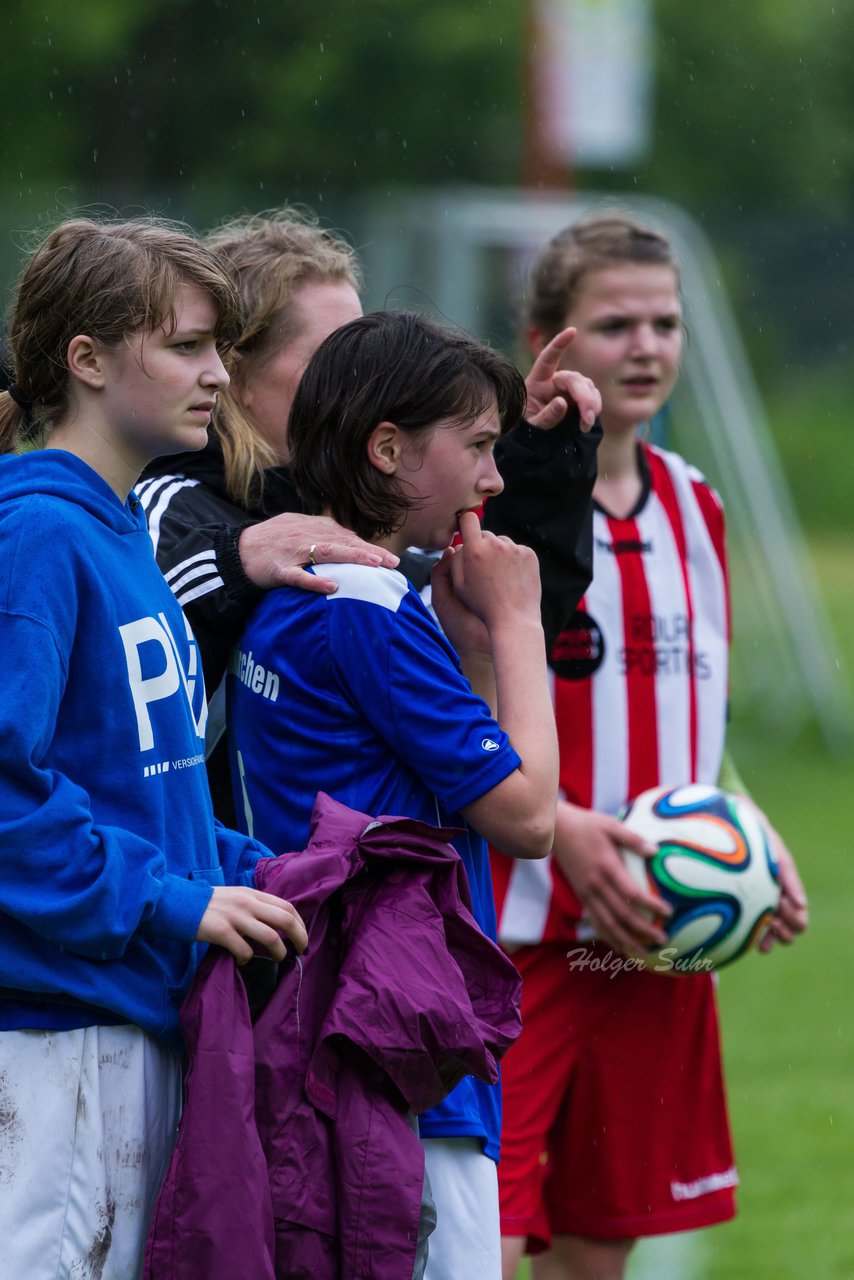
x=536, y=339
x=385, y=445
x=85, y=362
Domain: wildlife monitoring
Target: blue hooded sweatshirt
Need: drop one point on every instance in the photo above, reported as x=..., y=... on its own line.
x=108, y=844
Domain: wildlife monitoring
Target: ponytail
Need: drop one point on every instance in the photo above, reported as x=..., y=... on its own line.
x=11, y=422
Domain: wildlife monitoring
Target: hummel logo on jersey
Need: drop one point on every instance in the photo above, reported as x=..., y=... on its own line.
x=704, y=1186
x=624, y=546
x=489, y=744
x=141, y=635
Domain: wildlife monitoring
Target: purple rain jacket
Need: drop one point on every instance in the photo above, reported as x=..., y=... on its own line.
x=296, y=1156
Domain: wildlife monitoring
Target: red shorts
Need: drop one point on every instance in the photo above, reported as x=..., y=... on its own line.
x=615, y=1120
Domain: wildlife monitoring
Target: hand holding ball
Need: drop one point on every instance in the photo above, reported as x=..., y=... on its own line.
x=714, y=867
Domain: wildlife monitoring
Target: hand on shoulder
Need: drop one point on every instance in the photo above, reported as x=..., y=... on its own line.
x=274, y=552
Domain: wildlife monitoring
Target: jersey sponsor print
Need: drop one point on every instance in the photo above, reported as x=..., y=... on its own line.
x=639, y=675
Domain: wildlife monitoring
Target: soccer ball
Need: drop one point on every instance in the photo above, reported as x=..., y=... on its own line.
x=715, y=868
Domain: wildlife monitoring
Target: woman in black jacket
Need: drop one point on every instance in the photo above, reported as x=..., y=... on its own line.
x=226, y=522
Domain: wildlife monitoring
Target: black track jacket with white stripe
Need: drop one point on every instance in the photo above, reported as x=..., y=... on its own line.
x=546, y=504
x=195, y=528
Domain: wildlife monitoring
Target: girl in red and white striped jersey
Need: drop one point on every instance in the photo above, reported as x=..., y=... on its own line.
x=613, y=1096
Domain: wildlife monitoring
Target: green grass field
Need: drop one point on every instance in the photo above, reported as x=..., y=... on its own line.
x=787, y=1024
x=788, y=1033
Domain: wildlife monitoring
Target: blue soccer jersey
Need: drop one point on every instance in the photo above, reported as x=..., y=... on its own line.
x=360, y=695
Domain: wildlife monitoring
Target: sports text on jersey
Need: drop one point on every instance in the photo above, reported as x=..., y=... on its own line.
x=658, y=644
x=257, y=678
x=640, y=675
x=662, y=644
x=663, y=660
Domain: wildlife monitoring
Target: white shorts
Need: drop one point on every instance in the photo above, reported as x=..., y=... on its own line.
x=88, y=1120
x=464, y=1183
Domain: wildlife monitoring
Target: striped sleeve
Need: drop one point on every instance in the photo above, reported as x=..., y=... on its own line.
x=640, y=675
x=709, y=502
x=195, y=533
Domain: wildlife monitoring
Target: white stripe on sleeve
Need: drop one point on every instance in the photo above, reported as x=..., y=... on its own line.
x=156, y=512
x=204, y=588
x=668, y=603
x=610, y=726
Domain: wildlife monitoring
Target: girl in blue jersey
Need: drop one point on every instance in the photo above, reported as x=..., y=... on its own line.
x=361, y=695
x=112, y=871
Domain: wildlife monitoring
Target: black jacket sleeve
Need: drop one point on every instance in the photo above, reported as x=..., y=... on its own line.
x=195, y=532
x=547, y=504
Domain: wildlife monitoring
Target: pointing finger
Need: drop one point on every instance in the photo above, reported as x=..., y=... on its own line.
x=549, y=358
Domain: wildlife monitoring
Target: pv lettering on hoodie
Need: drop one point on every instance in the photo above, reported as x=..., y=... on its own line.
x=155, y=672
x=110, y=726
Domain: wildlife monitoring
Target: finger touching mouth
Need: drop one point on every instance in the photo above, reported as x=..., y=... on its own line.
x=457, y=539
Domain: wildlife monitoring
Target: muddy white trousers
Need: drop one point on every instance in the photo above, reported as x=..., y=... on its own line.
x=88, y=1120
x=466, y=1244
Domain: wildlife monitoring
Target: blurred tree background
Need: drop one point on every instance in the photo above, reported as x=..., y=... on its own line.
x=200, y=108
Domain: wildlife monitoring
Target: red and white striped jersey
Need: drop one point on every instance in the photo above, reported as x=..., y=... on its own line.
x=639, y=675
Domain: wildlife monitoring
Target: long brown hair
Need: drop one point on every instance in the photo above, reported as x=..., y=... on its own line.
x=270, y=256
x=106, y=280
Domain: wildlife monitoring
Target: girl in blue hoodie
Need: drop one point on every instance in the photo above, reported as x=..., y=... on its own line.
x=113, y=873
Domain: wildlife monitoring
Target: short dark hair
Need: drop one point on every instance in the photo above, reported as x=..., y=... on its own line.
x=389, y=366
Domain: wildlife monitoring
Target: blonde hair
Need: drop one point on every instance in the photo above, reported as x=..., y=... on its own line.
x=270, y=256
x=591, y=244
x=106, y=280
